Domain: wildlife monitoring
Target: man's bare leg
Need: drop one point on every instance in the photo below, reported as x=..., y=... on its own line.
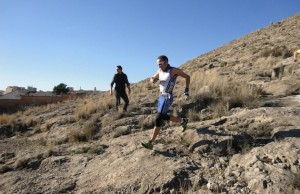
x=155, y=133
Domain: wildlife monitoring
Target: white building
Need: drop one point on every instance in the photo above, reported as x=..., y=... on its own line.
x=10, y=89
x=29, y=89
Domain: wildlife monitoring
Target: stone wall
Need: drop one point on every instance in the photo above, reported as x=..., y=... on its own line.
x=13, y=105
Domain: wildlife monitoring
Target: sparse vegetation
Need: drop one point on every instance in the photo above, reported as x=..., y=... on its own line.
x=6, y=119
x=223, y=94
x=121, y=131
x=79, y=135
x=194, y=115
x=91, y=105
x=279, y=51
x=223, y=63
x=147, y=122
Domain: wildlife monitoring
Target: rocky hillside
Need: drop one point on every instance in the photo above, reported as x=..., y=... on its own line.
x=84, y=146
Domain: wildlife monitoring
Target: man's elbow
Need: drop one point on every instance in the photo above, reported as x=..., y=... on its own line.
x=188, y=77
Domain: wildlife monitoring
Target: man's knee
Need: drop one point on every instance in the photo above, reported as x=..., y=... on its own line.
x=160, y=118
x=125, y=98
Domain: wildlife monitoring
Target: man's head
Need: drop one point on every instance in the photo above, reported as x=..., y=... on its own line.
x=119, y=69
x=162, y=62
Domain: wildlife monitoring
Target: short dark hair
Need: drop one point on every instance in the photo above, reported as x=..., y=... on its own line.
x=163, y=58
x=119, y=67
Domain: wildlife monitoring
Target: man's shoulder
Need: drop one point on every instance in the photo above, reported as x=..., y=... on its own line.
x=120, y=76
x=174, y=68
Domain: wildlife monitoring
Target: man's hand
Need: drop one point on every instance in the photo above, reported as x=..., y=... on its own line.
x=186, y=93
x=153, y=80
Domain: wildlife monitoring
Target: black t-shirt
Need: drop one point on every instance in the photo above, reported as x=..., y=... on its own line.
x=121, y=81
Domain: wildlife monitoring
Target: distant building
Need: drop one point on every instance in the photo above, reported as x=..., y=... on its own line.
x=10, y=89
x=29, y=89
x=15, y=92
x=1, y=92
x=71, y=89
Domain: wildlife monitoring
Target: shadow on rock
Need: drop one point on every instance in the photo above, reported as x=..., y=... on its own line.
x=284, y=134
x=206, y=130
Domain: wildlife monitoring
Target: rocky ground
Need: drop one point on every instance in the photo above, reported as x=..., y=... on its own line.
x=248, y=151
x=252, y=151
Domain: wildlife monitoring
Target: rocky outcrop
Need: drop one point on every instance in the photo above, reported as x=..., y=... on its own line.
x=209, y=157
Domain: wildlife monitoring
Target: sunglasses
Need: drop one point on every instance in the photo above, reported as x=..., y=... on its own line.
x=162, y=62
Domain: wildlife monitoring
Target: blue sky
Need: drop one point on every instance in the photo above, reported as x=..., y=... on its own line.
x=79, y=42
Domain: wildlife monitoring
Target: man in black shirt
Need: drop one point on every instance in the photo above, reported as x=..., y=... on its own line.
x=120, y=79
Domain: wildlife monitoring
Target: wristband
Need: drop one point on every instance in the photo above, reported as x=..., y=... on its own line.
x=186, y=91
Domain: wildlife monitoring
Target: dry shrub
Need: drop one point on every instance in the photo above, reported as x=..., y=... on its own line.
x=48, y=126
x=21, y=163
x=29, y=122
x=105, y=102
x=41, y=141
x=247, y=95
x=81, y=135
x=194, y=115
x=200, y=79
x=37, y=128
x=92, y=104
x=208, y=82
x=268, y=62
x=85, y=110
x=233, y=96
x=90, y=129
x=74, y=135
x=50, y=149
x=143, y=87
x=279, y=51
x=120, y=131
x=112, y=116
x=91, y=149
x=223, y=94
x=18, y=121
x=140, y=91
x=219, y=109
x=6, y=119
x=66, y=120
x=146, y=122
